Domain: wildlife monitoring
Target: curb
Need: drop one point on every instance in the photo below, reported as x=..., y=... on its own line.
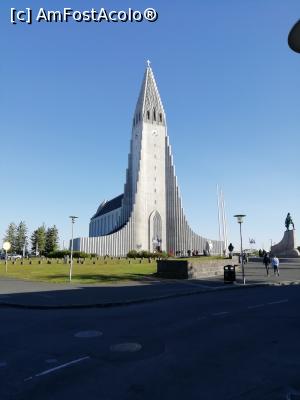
x=141, y=300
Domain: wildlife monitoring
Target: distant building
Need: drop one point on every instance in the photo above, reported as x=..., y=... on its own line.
x=149, y=215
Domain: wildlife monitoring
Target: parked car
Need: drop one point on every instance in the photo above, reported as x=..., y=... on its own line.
x=13, y=256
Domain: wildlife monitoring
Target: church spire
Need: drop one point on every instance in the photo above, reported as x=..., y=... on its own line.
x=149, y=107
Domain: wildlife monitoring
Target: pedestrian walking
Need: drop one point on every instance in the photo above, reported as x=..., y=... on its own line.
x=267, y=261
x=275, y=264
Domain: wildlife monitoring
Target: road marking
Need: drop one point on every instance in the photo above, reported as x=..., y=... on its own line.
x=279, y=301
x=220, y=313
x=256, y=306
x=48, y=371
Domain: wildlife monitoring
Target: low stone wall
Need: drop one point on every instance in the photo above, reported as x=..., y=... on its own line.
x=193, y=269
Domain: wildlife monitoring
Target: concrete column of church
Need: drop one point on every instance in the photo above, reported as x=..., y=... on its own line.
x=180, y=238
x=186, y=233
x=168, y=228
x=177, y=219
x=122, y=240
x=174, y=210
x=174, y=215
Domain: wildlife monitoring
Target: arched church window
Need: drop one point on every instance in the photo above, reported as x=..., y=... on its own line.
x=148, y=114
x=154, y=115
x=160, y=117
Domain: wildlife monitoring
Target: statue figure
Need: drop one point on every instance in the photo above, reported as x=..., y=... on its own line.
x=289, y=221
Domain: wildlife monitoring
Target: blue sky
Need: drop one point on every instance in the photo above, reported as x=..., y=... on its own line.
x=230, y=88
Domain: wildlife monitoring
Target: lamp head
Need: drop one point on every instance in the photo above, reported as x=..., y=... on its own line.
x=239, y=217
x=294, y=37
x=6, y=246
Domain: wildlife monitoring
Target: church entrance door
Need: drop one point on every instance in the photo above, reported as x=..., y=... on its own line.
x=155, y=232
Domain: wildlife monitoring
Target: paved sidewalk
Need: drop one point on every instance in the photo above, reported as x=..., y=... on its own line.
x=16, y=293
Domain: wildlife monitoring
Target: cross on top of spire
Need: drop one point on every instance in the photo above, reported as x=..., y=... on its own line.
x=148, y=63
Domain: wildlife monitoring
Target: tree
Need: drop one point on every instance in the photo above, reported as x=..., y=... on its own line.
x=10, y=236
x=38, y=240
x=51, y=240
x=21, y=238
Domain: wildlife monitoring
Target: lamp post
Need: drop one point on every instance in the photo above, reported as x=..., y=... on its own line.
x=240, y=218
x=6, y=247
x=71, y=261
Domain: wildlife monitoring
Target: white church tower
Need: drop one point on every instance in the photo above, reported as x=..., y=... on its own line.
x=149, y=215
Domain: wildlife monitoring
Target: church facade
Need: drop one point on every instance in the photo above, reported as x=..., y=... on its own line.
x=149, y=214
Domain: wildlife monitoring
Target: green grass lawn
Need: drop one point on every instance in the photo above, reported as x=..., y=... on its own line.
x=103, y=271
x=108, y=271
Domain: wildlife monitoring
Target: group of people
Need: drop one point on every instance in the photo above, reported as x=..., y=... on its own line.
x=267, y=260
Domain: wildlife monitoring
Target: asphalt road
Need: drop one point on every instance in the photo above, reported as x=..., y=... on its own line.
x=239, y=344
x=31, y=294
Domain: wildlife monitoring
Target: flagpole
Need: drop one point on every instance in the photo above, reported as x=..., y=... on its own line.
x=224, y=224
x=219, y=216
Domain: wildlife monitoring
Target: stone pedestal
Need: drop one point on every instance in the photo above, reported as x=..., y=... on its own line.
x=287, y=246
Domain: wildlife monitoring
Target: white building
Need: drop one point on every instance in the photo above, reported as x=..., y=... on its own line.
x=149, y=215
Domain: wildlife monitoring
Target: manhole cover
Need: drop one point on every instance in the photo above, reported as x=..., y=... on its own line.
x=126, y=347
x=88, y=334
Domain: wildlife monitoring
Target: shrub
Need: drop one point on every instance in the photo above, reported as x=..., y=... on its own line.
x=64, y=253
x=132, y=254
x=163, y=254
x=146, y=254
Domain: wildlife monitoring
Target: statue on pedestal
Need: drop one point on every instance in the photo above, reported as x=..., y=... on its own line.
x=287, y=246
x=289, y=221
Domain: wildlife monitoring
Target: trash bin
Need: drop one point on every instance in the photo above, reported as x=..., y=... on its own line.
x=229, y=273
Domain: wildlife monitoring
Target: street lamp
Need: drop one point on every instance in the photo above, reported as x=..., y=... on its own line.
x=71, y=262
x=240, y=218
x=6, y=247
